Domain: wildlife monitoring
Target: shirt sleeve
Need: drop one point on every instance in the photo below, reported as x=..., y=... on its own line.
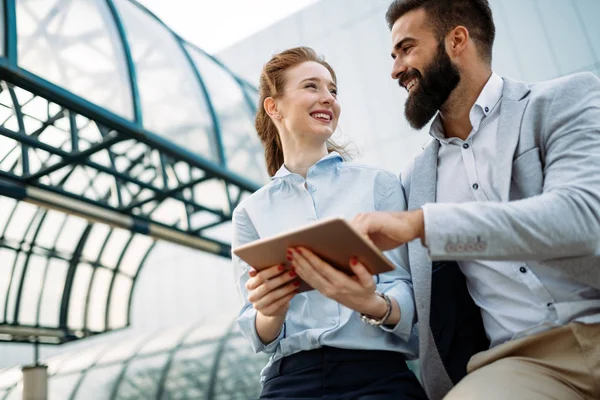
x=397, y=284
x=244, y=232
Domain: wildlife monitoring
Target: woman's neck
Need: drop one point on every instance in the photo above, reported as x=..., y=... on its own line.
x=298, y=159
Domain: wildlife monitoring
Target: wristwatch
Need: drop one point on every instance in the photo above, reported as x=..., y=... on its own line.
x=378, y=322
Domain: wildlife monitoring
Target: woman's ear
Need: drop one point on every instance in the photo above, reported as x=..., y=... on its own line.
x=270, y=106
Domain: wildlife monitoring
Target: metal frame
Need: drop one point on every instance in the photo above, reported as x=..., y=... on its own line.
x=144, y=173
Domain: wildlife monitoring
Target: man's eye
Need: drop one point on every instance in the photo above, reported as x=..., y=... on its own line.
x=406, y=49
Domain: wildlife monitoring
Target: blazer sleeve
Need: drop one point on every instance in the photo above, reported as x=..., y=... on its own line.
x=564, y=220
x=244, y=232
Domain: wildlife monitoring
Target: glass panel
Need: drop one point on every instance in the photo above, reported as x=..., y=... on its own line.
x=82, y=359
x=122, y=350
x=14, y=288
x=98, y=298
x=75, y=44
x=171, y=97
x=6, y=205
x=190, y=372
x=20, y=221
x=95, y=241
x=142, y=378
x=119, y=302
x=238, y=376
x=98, y=383
x=71, y=233
x=32, y=289
x=53, y=292
x=9, y=377
x=165, y=340
x=134, y=254
x=7, y=260
x=243, y=150
x=61, y=387
x=81, y=284
x=50, y=230
x=114, y=247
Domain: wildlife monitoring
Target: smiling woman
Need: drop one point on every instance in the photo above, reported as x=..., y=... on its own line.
x=359, y=327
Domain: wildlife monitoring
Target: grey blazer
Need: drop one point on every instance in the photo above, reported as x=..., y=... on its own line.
x=549, y=151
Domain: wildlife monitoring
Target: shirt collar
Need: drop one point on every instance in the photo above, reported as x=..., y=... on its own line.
x=332, y=158
x=485, y=103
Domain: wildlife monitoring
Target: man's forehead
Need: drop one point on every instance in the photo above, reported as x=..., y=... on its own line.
x=411, y=24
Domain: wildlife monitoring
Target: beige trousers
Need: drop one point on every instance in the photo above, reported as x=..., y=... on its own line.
x=562, y=363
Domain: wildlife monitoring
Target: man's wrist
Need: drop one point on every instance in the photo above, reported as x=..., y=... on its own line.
x=419, y=224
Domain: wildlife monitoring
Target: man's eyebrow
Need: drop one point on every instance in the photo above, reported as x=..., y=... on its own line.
x=401, y=43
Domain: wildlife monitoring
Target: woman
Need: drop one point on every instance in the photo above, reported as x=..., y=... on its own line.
x=350, y=338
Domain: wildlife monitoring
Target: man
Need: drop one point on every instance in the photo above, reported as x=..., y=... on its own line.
x=510, y=188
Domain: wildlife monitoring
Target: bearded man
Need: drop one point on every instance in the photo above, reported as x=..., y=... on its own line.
x=508, y=195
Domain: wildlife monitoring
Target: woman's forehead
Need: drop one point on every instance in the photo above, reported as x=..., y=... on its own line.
x=308, y=70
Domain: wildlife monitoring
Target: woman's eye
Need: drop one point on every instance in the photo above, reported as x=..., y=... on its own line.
x=333, y=92
x=311, y=85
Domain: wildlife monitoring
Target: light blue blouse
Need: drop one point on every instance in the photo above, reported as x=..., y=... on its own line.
x=334, y=188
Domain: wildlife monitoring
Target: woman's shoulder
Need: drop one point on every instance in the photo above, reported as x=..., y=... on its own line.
x=360, y=168
x=254, y=199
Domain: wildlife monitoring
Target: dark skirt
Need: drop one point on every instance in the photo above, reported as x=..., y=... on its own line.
x=340, y=374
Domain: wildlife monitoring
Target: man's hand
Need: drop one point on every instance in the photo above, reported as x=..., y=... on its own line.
x=388, y=230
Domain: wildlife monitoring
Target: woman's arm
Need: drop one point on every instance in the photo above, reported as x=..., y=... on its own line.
x=262, y=328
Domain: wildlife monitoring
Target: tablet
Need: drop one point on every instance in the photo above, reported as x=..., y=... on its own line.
x=332, y=239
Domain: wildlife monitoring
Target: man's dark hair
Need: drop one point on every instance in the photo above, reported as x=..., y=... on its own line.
x=445, y=15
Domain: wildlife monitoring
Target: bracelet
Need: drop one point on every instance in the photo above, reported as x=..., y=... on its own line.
x=378, y=322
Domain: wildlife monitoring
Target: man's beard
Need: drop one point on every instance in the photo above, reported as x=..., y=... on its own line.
x=440, y=78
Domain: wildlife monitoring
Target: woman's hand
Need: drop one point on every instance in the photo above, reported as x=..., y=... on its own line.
x=356, y=292
x=271, y=290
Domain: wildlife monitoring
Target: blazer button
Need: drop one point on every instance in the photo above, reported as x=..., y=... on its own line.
x=523, y=270
x=469, y=247
x=480, y=246
x=460, y=248
x=449, y=248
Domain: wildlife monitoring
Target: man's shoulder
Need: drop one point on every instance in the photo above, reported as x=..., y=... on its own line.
x=568, y=84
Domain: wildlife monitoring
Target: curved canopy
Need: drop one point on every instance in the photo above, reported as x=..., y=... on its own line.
x=210, y=360
x=114, y=132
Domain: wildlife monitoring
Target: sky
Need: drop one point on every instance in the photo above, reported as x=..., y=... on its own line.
x=214, y=25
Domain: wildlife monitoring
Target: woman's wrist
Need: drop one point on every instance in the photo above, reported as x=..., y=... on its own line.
x=375, y=307
x=268, y=327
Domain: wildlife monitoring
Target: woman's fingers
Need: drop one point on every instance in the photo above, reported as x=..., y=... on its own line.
x=258, y=278
x=266, y=287
x=362, y=274
x=272, y=299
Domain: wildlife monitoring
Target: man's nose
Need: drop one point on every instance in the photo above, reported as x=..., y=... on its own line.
x=398, y=68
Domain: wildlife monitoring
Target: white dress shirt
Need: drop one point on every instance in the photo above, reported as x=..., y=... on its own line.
x=516, y=298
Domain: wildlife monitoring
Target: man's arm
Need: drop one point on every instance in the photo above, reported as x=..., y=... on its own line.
x=564, y=221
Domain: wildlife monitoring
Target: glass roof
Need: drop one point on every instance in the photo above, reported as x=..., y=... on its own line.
x=206, y=360
x=114, y=132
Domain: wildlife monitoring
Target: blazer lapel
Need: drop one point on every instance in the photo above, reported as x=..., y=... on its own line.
x=423, y=185
x=513, y=103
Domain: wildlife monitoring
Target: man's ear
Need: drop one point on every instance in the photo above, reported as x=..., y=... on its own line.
x=457, y=40
x=270, y=106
